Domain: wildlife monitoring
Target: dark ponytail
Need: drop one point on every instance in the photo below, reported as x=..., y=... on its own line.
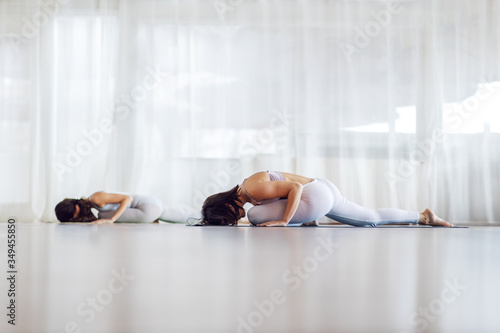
x=221, y=208
x=65, y=210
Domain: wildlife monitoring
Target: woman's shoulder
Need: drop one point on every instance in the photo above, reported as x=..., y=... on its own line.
x=97, y=194
x=95, y=198
x=102, y=198
x=261, y=175
x=256, y=178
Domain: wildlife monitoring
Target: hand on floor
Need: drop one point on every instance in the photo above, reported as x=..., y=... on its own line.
x=102, y=221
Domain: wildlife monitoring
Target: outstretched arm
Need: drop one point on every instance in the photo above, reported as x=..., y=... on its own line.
x=291, y=190
x=103, y=198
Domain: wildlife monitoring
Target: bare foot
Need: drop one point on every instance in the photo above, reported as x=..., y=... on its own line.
x=427, y=217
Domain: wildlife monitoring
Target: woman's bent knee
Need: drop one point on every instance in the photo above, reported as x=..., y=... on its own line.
x=254, y=216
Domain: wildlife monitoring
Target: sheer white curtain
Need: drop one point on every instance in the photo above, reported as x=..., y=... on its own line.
x=396, y=102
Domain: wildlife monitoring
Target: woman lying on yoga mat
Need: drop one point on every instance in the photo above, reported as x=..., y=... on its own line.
x=114, y=207
x=282, y=199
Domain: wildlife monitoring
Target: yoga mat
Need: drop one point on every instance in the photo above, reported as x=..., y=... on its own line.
x=327, y=226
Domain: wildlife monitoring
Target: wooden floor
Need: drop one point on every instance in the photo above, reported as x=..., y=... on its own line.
x=174, y=278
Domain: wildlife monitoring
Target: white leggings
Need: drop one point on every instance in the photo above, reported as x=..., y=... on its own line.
x=145, y=209
x=321, y=197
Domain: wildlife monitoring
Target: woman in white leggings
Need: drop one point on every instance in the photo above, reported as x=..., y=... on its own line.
x=120, y=207
x=282, y=199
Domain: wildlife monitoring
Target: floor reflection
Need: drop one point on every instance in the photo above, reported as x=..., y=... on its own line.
x=174, y=278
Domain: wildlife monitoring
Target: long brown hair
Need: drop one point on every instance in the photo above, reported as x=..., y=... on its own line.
x=221, y=208
x=65, y=210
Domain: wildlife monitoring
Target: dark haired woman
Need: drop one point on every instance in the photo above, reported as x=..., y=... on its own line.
x=118, y=207
x=282, y=199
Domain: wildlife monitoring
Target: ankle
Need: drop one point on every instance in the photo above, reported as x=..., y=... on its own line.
x=422, y=219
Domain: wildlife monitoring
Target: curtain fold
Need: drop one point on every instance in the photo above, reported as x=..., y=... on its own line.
x=395, y=102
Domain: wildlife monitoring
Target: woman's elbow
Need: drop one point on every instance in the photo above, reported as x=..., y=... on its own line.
x=297, y=187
